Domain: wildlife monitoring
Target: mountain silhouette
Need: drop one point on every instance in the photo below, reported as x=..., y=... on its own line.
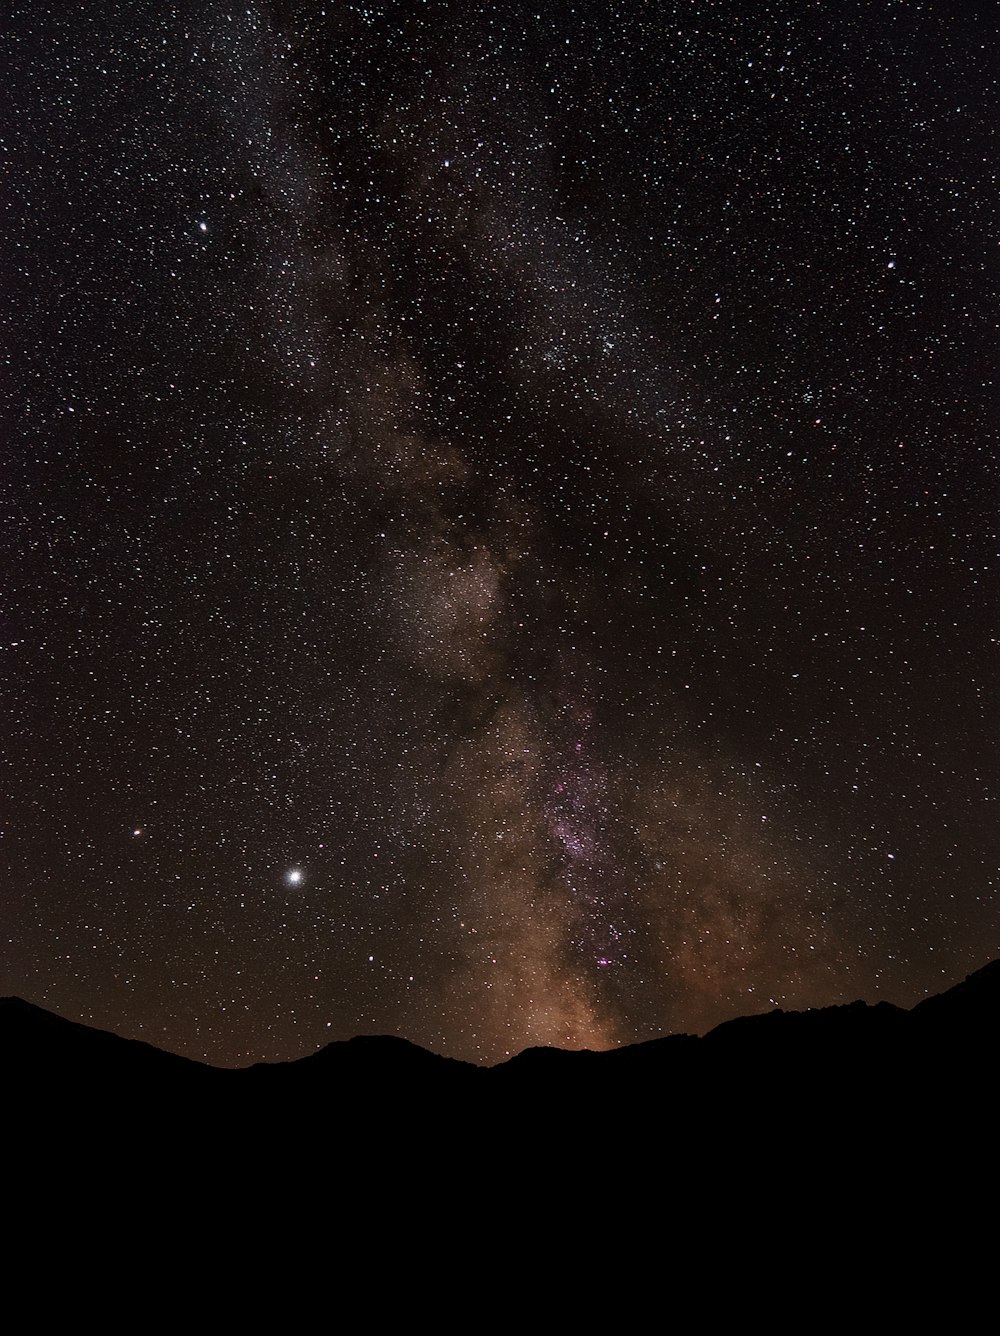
x=40, y=1051
x=802, y=1114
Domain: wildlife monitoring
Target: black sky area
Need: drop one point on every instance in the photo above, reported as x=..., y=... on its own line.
x=499, y=516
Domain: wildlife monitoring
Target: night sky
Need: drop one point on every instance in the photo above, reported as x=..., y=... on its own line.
x=498, y=508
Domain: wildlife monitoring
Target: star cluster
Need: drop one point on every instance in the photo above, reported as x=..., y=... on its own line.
x=499, y=516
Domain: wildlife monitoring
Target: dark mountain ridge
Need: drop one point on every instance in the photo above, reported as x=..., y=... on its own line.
x=826, y=1106
x=38, y=1047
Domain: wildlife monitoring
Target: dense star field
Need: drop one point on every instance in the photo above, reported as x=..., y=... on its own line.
x=498, y=514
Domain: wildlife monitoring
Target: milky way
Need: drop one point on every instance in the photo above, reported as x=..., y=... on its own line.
x=498, y=517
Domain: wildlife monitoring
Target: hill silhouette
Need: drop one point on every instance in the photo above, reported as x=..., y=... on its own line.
x=878, y=1047
x=797, y=1114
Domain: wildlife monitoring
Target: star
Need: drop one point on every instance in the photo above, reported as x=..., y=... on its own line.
x=294, y=876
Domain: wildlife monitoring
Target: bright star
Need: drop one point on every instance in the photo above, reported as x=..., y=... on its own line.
x=294, y=876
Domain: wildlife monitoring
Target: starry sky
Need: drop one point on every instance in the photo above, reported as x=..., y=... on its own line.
x=498, y=510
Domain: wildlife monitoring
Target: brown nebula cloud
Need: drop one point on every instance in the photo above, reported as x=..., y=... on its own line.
x=739, y=911
x=516, y=977
x=449, y=605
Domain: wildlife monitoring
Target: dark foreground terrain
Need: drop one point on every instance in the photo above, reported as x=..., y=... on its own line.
x=870, y=1126
x=837, y=1068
